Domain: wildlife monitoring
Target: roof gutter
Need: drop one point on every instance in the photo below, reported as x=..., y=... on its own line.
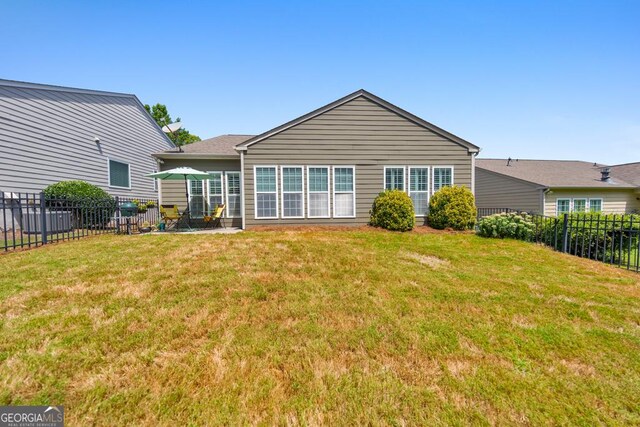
x=205, y=156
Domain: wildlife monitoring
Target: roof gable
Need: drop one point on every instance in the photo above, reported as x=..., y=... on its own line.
x=364, y=94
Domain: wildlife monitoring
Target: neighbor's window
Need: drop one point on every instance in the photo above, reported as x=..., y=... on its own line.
x=394, y=178
x=266, y=186
x=595, y=205
x=442, y=177
x=419, y=189
x=215, y=190
x=318, y=192
x=233, y=194
x=155, y=181
x=292, y=192
x=563, y=206
x=196, y=198
x=119, y=174
x=579, y=205
x=344, y=197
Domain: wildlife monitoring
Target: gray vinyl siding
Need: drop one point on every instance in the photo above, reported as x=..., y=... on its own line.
x=358, y=133
x=48, y=135
x=495, y=190
x=173, y=192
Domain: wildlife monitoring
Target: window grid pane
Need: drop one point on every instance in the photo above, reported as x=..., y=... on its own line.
x=595, y=205
x=419, y=189
x=394, y=179
x=579, y=205
x=319, y=204
x=563, y=206
x=344, y=204
x=266, y=192
x=343, y=178
x=442, y=177
x=318, y=179
x=292, y=199
x=344, y=192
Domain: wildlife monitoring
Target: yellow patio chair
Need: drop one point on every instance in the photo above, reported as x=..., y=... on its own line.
x=216, y=218
x=170, y=215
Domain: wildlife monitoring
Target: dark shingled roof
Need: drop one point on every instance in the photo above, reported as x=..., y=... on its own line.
x=554, y=173
x=629, y=172
x=219, y=145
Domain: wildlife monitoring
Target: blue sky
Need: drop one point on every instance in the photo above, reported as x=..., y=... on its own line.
x=558, y=79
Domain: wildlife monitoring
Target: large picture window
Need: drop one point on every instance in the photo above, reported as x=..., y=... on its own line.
x=419, y=189
x=442, y=177
x=233, y=194
x=119, y=174
x=292, y=192
x=394, y=178
x=318, y=191
x=266, y=188
x=344, y=195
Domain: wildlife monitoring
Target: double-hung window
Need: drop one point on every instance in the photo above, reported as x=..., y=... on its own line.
x=595, y=205
x=318, y=191
x=442, y=177
x=196, y=198
x=216, y=190
x=292, y=192
x=119, y=174
x=579, y=205
x=266, y=187
x=394, y=178
x=563, y=206
x=419, y=189
x=344, y=195
x=233, y=194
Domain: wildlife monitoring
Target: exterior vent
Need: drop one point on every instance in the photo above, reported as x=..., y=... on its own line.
x=605, y=174
x=509, y=161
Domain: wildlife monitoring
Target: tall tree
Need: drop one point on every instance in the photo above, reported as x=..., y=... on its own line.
x=161, y=115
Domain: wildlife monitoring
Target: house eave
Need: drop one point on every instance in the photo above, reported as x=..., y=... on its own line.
x=203, y=156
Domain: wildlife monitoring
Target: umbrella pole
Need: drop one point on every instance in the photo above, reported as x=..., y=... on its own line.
x=188, y=211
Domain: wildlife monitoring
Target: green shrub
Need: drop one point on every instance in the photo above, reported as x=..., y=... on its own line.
x=452, y=207
x=393, y=210
x=507, y=226
x=91, y=205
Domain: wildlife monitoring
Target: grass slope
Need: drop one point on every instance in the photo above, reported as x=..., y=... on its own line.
x=319, y=327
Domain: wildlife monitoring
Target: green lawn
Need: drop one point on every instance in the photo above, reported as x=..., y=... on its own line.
x=319, y=327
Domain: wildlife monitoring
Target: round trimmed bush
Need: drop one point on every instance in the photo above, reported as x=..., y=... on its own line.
x=507, y=225
x=393, y=210
x=90, y=204
x=452, y=207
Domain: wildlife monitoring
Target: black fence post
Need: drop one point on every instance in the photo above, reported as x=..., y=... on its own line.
x=43, y=218
x=117, y=215
x=565, y=233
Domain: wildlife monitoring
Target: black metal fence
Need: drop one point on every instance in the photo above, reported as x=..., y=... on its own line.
x=30, y=220
x=609, y=238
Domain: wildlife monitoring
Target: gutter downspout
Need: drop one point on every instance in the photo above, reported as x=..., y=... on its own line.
x=544, y=199
x=473, y=173
x=242, y=187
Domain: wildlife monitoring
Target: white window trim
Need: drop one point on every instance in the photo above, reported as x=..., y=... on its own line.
x=433, y=176
x=586, y=204
x=328, y=192
x=601, y=204
x=404, y=177
x=204, y=195
x=282, y=215
x=558, y=202
x=208, y=189
x=428, y=184
x=109, y=160
x=333, y=174
x=225, y=193
x=255, y=192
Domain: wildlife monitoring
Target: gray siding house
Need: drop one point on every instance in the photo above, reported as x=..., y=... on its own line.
x=51, y=133
x=324, y=168
x=554, y=187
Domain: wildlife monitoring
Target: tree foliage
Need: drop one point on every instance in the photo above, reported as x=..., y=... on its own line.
x=161, y=115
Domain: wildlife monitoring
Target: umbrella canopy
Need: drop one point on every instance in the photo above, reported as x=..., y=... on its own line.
x=182, y=173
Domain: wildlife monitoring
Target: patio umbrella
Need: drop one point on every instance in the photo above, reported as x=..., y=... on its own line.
x=179, y=174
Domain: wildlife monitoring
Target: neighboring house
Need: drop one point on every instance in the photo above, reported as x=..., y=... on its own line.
x=324, y=168
x=51, y=133
x=553, y=187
